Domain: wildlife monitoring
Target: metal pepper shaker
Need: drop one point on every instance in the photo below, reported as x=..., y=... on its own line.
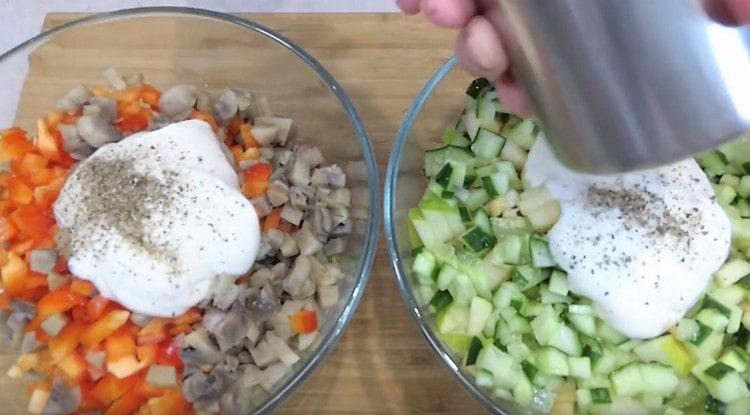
x=621, y=85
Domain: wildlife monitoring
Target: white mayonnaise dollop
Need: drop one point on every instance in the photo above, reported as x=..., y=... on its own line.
x=153, y=219
x=642, y=246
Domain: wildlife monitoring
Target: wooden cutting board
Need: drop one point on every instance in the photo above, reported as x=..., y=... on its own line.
x=382, y=364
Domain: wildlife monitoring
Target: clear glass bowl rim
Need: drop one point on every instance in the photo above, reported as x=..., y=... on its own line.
x=389, y=210
x=365, y=262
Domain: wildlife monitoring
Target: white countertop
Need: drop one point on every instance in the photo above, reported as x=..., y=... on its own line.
x=21, y=19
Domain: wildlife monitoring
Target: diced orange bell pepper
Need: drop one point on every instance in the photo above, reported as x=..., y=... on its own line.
x=180, y=329
x=191, y=316
x=28, y=164
x=46, y=141
x=96, y=307
x=13, y=274
x=19, y=192
x=13, y=144
x=79, y=313
x=248, y=138
x=134, y=123
x=153, y=332
x=121, y=354
x=44, y=364
x=34, y=280
x=260, y=172
x=273, y=220
x=83, y=287
x=21, y=247
x=66, y=341
x=103, y=327
x=127, y=404
x=59, y=301
x=32, y=221
x=4, y=301
x=236, y=151
x=304, y=321
x=169, y=354
x=7, y=229
x=73, y=366
x=109, y=388
x=45, y=196
x=150, y=95
x=172, y=403
x=198, y=115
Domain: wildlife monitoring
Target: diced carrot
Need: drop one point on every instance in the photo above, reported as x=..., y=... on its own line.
x=127, y=404
x=304, y=321
x=150, y=95
x=73, y=366
x=273, y=220
x=83, y=287
x=172, y=403
x=46, y=141
x=19, y=192
x=103, y=327
x=59, y=301
x=13, y=144
x=110, y=388
x=7, y=229
x=248, y=138
x=66, y=341
x=198, y=115
x=153, y=332
x=191, y=316
x=96, y=307
x=13, y=274
x=32, y=221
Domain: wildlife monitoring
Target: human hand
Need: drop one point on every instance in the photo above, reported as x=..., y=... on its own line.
x=478, y=35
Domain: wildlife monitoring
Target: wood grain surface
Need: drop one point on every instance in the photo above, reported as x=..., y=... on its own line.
x=382, y=364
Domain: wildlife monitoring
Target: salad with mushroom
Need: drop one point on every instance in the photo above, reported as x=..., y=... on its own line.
x=96, y=331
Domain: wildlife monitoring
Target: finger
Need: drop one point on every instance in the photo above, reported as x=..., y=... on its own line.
x=480, y=50
x=453, y=14
x=513, y=96
x=739, y=10
x=408, y=6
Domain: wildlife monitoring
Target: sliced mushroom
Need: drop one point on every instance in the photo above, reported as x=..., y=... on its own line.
x=63, y=399
x=277, y=193
x=322, y=223
x=272, y=375
x=25, y=308
x=330, y=176
x=104, y=108
x=263, y=354
x=199, y=340
x=177, y=102
x=204, y=100
x=283, y=351
x=97, y=132
x=312, y=156
x=73, y=101
x=300, y=272
x=261, y=205
x=328, y=296
x=335, y=246
x=29, y=343
x=261, y=108
x=133, y=78
x=264, y=134
x=289, y=248
x=283, y=157
x=42, y=260
x=201, y=387
x=292, y=215
x=245, y=103
x=73, y=143
x=307, y=242
x=114, y=79
x=161, y=376
x=230, y=331
x=226, y=106
x=300, y=174
x=301, y=196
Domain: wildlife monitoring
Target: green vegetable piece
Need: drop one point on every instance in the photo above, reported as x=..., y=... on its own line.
x=474, y=348
x=718, y=370
x=703, y=332
x=478, y=85
x=444, y=175
x=529, y=369
x=441, y=299
x=600, y=395
x=714, y=406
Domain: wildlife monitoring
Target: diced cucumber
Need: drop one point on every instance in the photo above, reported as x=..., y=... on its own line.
x=520, y=351
x=580, y=367
x=462, y=290
x=487, y=145
x=440, y=300
x=540, y=207
x=479, y=312
x=628, y=381
x=743, y=189
x=546, y=325
x=510, y=226
x=477, y=240
x=511, y=246
x=428, y=233
x=584, y=323
x=540, y=254
x=714, y=163
x=605, y=363
x=446, y=276
x=523, y=392
x=658, y=379
x=441, y=213
x=477, y=86
x=528, y=277
x=558, y=282
x=477, y=198
x=453, y=319
x=725, y=194
x=425, y=267
x=738, y=407
x=524, y=133
x=714, y=406
x=483, y=221
x=686, y=330
x=551, y=361
x=566, y=340
x=730, y=180
x=713, y=318
x=486, y=109
x=736, y=358
x=605, y=332
x=729, y=296
x=484, y=378
x=732, y=271
x=456, y=137
x=743, y=207
x=728, y=387
x=434, y=160
x=514, y=154
x=473, y=353
x=504, y=368
x=666, y=350
x=472, y=123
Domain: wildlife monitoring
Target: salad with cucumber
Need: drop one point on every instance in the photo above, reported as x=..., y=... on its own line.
x=482, y=266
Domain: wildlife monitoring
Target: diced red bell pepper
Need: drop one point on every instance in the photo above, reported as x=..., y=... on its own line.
x=191, y=316
x=7, y=229
x=66, y=341
x=19, y=192
x=59, y=301
x=34, y=280
x=103, y=327
x=260, y=172
x=150, y=95
x=110, y=388
x=73, y=366
x=153, y=332
x=13, y=144
x=13, y=275
x=169, y=354
x=273, y=220
x=32, y=221
x=21, y=247
x=304, y=321
x=248, y=138
x=47, y=143
x=127, y=404
x=134, y=123
x=96, y=307
x=83, y=287
x=121, y=353
x=198, y=115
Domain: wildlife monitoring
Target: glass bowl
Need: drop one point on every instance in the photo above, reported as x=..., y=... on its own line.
x=180, y=45
x=436, y=107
